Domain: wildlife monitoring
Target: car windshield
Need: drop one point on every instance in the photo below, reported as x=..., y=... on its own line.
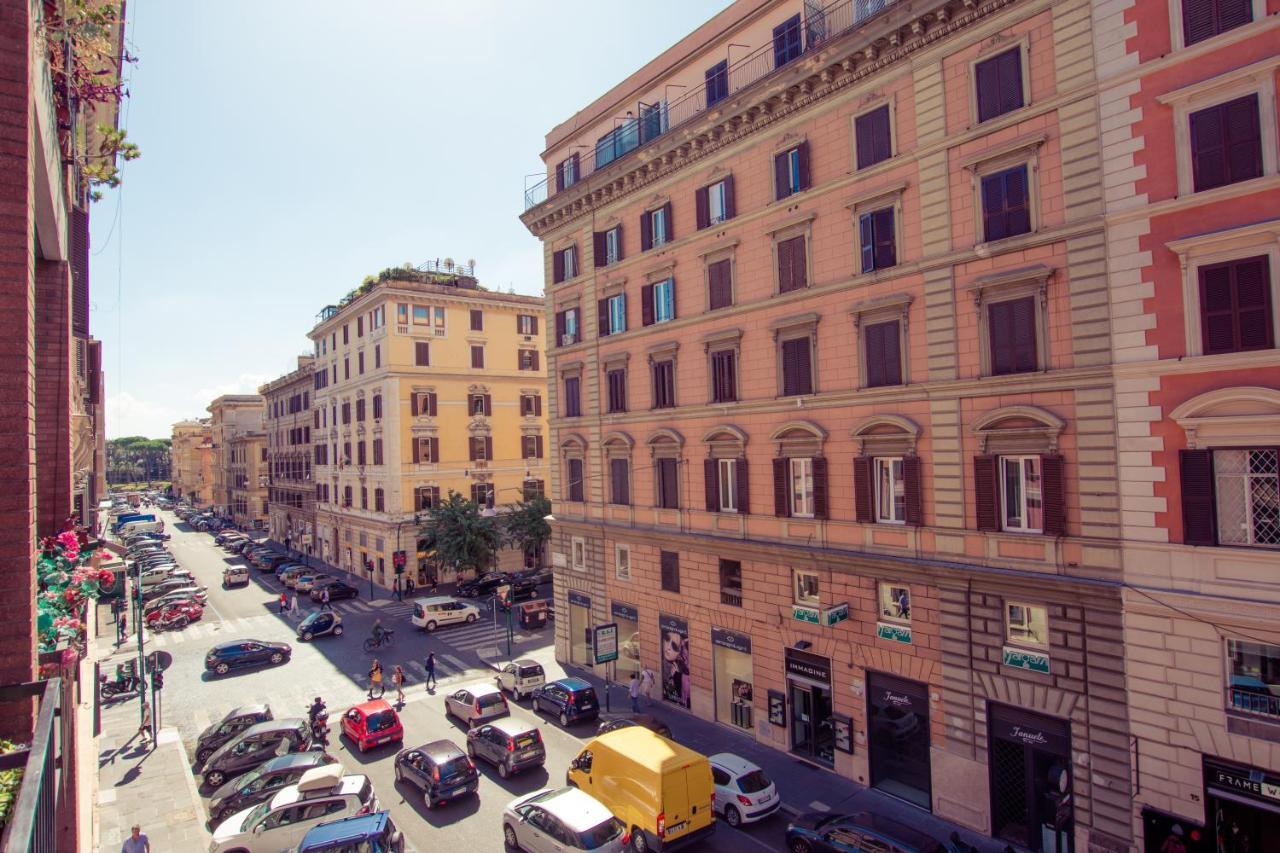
x=600, y=835
x=454, y=767
x=381, y=720
x=530, y=671
x=527, y=739
x=256, y=816
x=753, y=782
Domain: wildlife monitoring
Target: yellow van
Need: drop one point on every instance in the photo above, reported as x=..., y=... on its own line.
x=661, y=790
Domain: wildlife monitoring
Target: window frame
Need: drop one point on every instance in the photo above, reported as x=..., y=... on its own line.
x=1249, y=501
x=790, y=329
x=1023, y=45
x=616, y=306
x=727, y=483
x=721, y=252
x=1178, y=30
x=1233, y=244
x=803, y=498
x=717, y=73
x=613, y=245
x=891, y=103
x=668, y=286
x=1006, y=287
x=657, y=401
x=1021, y=639
x=658, y=216
x=578, y=554
x=622, y=562
x=785, y=232
x=798, y=595
x=1024, y=528
x=898, y=487
x=881, y=600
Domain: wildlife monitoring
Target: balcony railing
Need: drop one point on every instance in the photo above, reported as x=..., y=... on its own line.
x=731, y=595
x=33, y=819
x=1252, y=702
x=652, y=121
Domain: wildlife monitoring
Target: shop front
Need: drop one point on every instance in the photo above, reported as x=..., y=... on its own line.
x=628, y=621
x=731, y=663
x=898, y=738
x=580, y=628
x=1030, y=767
x=674, y=645
x=809, y=695
x=1242, y=807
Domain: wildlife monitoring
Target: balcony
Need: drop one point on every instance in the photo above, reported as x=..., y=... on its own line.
x=652, y=121
x=1260, y=704
x=46, y=785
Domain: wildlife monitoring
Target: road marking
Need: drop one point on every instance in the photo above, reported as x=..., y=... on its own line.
x=819, y=806
x=455, y=663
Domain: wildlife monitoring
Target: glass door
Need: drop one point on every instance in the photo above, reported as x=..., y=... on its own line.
x=801, y=719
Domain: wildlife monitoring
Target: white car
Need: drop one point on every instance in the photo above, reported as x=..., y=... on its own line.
x=306, y=583
x=519, y=677
x=322, y=795
x=743, y=793
x=476, y=703
x=431, y=613
x=554, y=819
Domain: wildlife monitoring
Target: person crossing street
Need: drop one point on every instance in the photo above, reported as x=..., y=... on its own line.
x=431, y=671
x=375, y=680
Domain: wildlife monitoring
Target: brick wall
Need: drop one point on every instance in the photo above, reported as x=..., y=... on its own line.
x=54, y=384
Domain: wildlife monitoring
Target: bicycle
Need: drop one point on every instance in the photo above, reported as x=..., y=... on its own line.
x=371, y=643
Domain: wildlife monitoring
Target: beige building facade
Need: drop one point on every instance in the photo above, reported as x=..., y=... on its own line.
x=247, y=480
x=231, y=416
x=191, y=462
x=291, y=487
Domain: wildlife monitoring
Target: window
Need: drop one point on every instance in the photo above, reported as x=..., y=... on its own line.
x=1255, y=677
x=477, y=357
x=1026, y=624
x=727, y=484
x=567, y=322
x=360, y=454
x=573, y=478
x=572, y=401
x=377, y=356
x=1204, y=19
x=805, y=586
x=791, y=171
x=615, y=314
x=1226, y=143
x=882, y=350
x=422, y=354
x=360, y=410
x=379, y=501
x=481, y=448
x=421, y=315
x=426, y=497
x=479, y=404
x=873, y=137
x=526, y=324
x=656, y=228
x=724, y=376
x=617, y=382
x=797, y=372
x=664, y=384
x=664, y=301
x=564, y=264
x=477, y=320
x=423, y=404
x=877, y=240
x=439, y=320
x=528, y=359
x=1247, y=496
x=801, y=488
x=346, y=334
x=793, y=264
x=720, y=284
x=531, y=447
x=999, y=84
x=895, y=602
x=530, y=405
x=670, y=566
x=533, y=489
x=715, y=203
x=567, y=172
x=346, y=496
x=890, y=491
x=608, y=246
x=377, y=451
x=578, y=547
x=1021, y=500
x=1235, y=306
x=619, y=482
x=1006, y=205
x=1011, y=330
x=667, y=483
x=731, y=583
x=346, y=369
x=717, y=79
x=622, y=562
x=786, y=41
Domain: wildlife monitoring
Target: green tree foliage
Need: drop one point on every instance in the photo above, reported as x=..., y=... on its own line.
x=524, y=524
x=136, y=458
x=463, y=538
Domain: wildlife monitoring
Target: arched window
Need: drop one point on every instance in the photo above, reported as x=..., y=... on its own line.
x=724, y=470
x=666, y=447
x=1018, y=477
x=800, y=471
x=886, y=472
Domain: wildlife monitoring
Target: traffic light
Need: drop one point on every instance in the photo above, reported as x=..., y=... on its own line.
x=158, y=680
x=504, y=595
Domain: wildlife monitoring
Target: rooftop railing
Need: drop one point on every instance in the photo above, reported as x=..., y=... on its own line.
x=33, y=819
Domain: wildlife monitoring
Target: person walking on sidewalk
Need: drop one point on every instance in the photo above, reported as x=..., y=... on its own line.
x=408, y=585
x=324, y=600
x=284, y=603
x=647, y=681
x=144, y=730
x=431, y=671
x=122, y=627
x=136, y=842
x=634, y=690
x=375, y=680
x=293, y=603
x=397, y=678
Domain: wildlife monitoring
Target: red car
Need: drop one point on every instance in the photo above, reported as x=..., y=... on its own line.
x=371, y=724
x=175, y=615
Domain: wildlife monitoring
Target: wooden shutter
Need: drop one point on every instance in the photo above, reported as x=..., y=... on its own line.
x=803, y=153
x=599, y=248
x=1017, y=201
x=730, y=203
x=618, y=228
x=670, y=484
x=477, y=318
x=538, y=446
x=559, y=177
x=557, y=267
x=784, y=267
x=799, y=266
x=711, y=483
x=472, y=448
x=486, y=403
x=781, y=176
x=883, y=238
x=668, y=222
x=417, y=451
x=1011, y=332
x=720, y=283
x=781, y=488
x=646, y=305
x=819, y=487
x=702, y=207
x=1203, y=19
x=535, y=359
x=422, y=354
x=912, y=491
x=1199, y=509
x=744, y=491
x=872, y=131
x=675, y=307
x=1053, y=492
x=619, y=474
x=646, y=231
x=413, y=405
x=993, y=204
x=863, y=490
x=488, y=447
x=560, y=329
x=1010, y=71
x=537, y=404
x=867, y=241
x=602, y=316
x=431, y=404
x=986, y=477
x=533, y=324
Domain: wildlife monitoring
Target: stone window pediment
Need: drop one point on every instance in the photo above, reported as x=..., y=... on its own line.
x=1018, y=429
x=1242, y=416
x=886, y=435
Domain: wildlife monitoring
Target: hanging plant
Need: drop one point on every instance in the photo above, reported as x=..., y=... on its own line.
x=68, y=581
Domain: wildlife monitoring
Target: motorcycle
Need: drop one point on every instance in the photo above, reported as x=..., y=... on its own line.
x=126, y=681
x=319, y=723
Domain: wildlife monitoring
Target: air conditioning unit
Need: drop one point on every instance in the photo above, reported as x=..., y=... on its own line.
x=528, y=338
x=568, y=340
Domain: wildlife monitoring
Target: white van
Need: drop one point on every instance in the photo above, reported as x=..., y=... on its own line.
x=431, y=613
x=140, y=527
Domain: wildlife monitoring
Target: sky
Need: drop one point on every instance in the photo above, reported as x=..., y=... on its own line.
x=292, y=147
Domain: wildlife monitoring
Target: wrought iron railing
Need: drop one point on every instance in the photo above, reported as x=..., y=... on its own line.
x=1252, y=702
x=652, y=121
x=33, y=819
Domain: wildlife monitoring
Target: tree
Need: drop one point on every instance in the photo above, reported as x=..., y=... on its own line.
x=524, y=525
x=463, y=537
x=135, y=458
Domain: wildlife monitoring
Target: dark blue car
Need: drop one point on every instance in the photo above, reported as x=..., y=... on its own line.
x=570, y=699
x=235, y=654
x=864, y=832
x=369, y=833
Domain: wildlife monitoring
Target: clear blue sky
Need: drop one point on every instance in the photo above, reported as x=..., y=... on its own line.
x=291, y=148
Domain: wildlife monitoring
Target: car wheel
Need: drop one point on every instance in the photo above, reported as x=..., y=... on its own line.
x=515, y=694
x=277, y=658
x=799, y=845
x=509, y=836
x=426, y=800
x=732, y=816
x=308, y=636
x=639, y=843
x=337, y=631
x=430, y=626
x=222, y=668
x=203, y=755
x=215, y=778
x=564, y=718
x=471, y=750
x=471, y=617
x=503, y=770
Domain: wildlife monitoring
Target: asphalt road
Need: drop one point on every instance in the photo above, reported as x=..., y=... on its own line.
x=335, y=668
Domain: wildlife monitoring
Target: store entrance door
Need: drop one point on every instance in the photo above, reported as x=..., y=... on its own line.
x=1242, y=810
x=801, y=719
x=809, y=691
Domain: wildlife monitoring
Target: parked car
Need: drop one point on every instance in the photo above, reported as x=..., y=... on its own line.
x=570, y=699
x=322, y=795
x=647, y=721
x=542, y=574
x=182, y=586
x=483, y=585
x=235, y=654
x=234, y=576
x=431, y=613
x=552, y=819
x=370, y=724
x=233, y=723
x=320, y=623
x=256, y=745
x=262, y=783
x=278, y=560
x=174, y=614
x=440, y=770
x=262, y=559
x=520, y=677
x=337, y=591
x=376, y=833
x=744, y=794
x=307, y=582
x=823, y=832
x=476, y=703
x=166, y=600
x=289, y=577
x=510, y=745
x=521, y=588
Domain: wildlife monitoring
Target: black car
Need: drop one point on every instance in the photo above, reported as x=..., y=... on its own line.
x=510, y=745
x=277, y=560
x=262, y=783
x=483, y=585
x=647, y=721
x=440, y=770
x=522, y=588
x=337, y=591
x=236, y=721
x=571, y=699
x=256, y=745
x=821, y=832
x=540, y=575
x=225, y=657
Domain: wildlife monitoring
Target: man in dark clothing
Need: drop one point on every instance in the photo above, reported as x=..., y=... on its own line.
x=431, y=670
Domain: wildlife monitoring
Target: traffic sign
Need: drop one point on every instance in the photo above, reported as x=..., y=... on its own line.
x=159, y=661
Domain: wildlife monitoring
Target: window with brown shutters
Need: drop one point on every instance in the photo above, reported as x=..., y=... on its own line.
x=377, y=407
x=377, y=451
x=669, y=563
x=792, y=266
x=360, y=410
x=1235, y=306
x=864, y=494
x=477, y=320
x=617, y=382
x=526, y=324
x=528, y=359
x=664, y=384
x=882, y=348
x=346, y=413
x=1053, y=491
x=999, y=84
x=724, y=376
x=607, y=246
x=379, y=501
x=477, y=357
x=531, y=405
x=1204, y=19
x=1011, y=331
x=720, y=284
x=986, y=496
x=573, y=476
x=714, y=203
x=572, y=401
x=877, y=240
x=423, y=404
x=797, y=372
x=533, y=489
x=619, y=482
x=656, y=227
x=1006, y=204
x=422, y=354
x=1226, y=143
x=871, y=133
x=717, y=82
x=426, y=497
x=667, y=483
x=791, y=171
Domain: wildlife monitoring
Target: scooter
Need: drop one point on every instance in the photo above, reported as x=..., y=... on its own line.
x=319, y=724
x=125, y=682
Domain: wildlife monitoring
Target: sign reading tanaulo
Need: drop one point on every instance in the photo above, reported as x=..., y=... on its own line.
x=1026, y=659
x=800, y=613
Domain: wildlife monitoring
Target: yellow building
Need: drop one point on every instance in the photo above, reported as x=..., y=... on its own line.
x=247, y=479
x=289, y=421
x=232, y=415
x=191, y=461
x=425, y=384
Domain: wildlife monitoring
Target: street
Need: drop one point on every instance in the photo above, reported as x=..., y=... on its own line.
x=335, y=668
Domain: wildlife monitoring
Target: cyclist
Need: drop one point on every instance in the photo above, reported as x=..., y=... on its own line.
x=378, y=631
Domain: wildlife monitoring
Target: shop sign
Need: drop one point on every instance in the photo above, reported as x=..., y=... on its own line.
x=624, y=611
x=1250, y=783
x=674, y=624
x=559, y=560
x=1031, y=730
x=1026, y=659
x=835, y=615
x=730, y=640
x=577, y=599
x=777, y=708
x=897, y=633
x=800, y=613
x=605, y=642
x=808, y=666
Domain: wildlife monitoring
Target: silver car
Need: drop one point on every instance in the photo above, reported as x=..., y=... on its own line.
x=476, y=703
x=556, y=819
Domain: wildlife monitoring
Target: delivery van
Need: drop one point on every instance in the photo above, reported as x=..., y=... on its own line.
x=141, y=527
x=653, y=785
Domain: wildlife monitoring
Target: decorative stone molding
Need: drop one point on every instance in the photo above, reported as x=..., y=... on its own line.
x=1242, y=416
x=1018, y=429
x=886, y=435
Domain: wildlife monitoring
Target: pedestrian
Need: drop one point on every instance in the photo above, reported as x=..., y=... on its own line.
x=397, y=678
x=293, y=603
x=433, y=585
x=136, y=842
x=647, y=681
x=324, y=600
x=634, y=690
x=284, y=603
x=144, y=730
x=409, y=585
x=375, y=680
x=122, y=627
x=431, y=670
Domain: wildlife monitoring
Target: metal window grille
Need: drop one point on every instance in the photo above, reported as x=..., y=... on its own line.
x=1248, y=496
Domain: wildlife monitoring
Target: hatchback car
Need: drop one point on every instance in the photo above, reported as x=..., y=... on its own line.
x=322, y=795
x=256, y=745
x=476, y=703
x=289, y=577
x=225, y=657
x=570, y=699
x=510, y=745
x=821, y=832
x=743, y=793
x=262, y=783
x=307, y=582
x=647, y=721
x=431, y=613
x=440, y=770
x=337, y=591
x=483, y=585
x=554, y=819
x=374, y=833
x=233, y=723
x=234, y=576
x=370, y=724
x=520, y=677
x=320, y=623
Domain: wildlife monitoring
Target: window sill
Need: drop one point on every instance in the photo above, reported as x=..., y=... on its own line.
x=1007, y=244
